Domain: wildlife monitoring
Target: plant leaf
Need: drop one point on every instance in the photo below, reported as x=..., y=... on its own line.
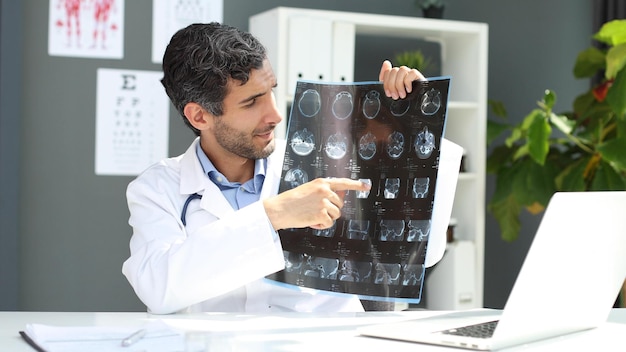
x=504, y=185
x=533, y=183
x=538, y=139
x=506, y=212
x=497, y=107
x=519, y=181
x=520, y=131
x=549, y=98
x=615, y=60
x=535, y=208
x=614, y=153
x=607, y=179
x=500, y=157
x=530, y=118
x=571, y=178
x=521, y=152
x=612, y=33
x=616, y=97
x=494, y=130
x=540, y=182
x=562, y=123
x=516, y=134
x=583, y=103
x=588, y=62
x=621, y=126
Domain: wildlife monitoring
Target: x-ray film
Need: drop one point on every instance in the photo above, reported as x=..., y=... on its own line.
x=377, y=248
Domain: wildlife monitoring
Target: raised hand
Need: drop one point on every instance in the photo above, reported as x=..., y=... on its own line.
x=398, y=81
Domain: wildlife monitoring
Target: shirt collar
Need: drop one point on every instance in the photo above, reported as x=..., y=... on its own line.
x=260, y=168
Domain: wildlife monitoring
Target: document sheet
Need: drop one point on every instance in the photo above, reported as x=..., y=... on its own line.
x=157, y=336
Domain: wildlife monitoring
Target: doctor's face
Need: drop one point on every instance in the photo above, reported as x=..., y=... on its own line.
x=246, y=128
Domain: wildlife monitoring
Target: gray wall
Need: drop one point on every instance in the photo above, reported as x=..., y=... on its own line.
x=71, y=227
x=10, y=56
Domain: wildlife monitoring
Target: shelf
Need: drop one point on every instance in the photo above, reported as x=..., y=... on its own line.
x=467, y=176
x=462, y=105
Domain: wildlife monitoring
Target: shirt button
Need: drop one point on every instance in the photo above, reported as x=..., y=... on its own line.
x=219, y=178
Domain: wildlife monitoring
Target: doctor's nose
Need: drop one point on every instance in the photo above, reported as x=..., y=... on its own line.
x=273, y=116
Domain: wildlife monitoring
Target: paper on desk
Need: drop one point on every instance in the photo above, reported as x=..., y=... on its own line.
x=159, y=337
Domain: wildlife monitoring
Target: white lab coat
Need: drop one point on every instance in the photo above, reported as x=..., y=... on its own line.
x=219, y=260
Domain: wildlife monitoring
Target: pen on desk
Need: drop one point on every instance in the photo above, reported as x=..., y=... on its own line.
x=134, y=337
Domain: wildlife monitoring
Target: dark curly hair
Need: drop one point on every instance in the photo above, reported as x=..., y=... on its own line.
x=199, y=61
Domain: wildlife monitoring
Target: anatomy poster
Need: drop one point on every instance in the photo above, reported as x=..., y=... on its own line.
x=168, y=16
x=377, y=248
x=132, y=121
x=86, y=28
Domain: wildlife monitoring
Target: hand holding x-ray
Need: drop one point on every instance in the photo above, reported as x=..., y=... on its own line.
x=316, y=204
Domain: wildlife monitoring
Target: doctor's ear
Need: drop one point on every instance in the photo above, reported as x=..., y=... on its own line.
x=197, y=116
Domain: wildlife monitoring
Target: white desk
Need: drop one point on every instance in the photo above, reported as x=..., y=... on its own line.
x=298, y=331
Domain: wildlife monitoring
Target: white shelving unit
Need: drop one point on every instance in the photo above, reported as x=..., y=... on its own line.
x=320, y=45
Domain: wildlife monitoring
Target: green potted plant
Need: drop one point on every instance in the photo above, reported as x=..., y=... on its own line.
x=414, y=59
x=431, y=8
x=580, y=150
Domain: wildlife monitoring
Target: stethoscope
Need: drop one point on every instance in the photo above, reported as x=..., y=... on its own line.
x=183, y=214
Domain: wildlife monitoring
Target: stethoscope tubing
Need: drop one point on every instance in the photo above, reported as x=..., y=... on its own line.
x=183, y=215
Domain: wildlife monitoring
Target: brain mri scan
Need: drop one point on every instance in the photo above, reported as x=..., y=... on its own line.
x=395, y=145
x=371, y=104
x=336, y=146
x=323, y=268
x=424, y=143
x=310, y=103
x=296, y=176
x=392, y=187
x=387, y=274
x=293, y=261
x=358, y=229
x=348, y=272
x=343, y=105
x=353, y=271
x=367, y=146
x=399, y=107
x=420, y=187
x=302, y=142
x=364, y=194
x=378, y=246
x=392, y=230
x=418, y=230
x=431, y=102
x=413, y=274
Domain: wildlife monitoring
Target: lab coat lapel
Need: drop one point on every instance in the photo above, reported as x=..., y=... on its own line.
x=214, y=201
x=193, y=180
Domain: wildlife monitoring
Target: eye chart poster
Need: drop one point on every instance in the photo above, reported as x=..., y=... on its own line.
x=86, y=28
x=377, y=248
x=132, y=121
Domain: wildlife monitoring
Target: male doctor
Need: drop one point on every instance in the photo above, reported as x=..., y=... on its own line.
x=205, y=223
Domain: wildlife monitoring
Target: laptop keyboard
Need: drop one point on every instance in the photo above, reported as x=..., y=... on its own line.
x=482, y=330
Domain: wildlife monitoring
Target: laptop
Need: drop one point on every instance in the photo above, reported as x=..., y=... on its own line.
x=568, y=282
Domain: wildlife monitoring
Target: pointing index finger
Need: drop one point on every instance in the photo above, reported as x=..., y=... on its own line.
x=346, y=184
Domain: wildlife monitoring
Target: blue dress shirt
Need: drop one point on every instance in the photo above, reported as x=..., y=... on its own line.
x=238, y=195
